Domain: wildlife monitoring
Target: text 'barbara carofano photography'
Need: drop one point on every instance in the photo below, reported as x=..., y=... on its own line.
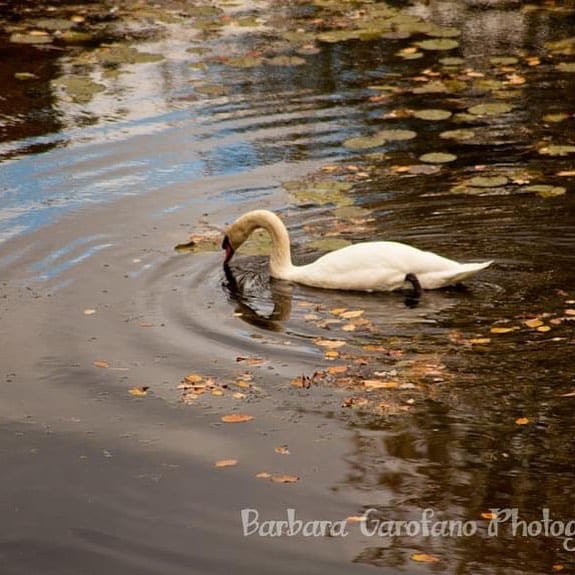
x=497, y=522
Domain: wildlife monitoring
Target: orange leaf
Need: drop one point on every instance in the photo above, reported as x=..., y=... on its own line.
x=488, y=515
x=336, y=369
x=522, y=421
x=282, y=450
x=226, y=463
x=502, y=329
x=480, y=341
x=138, y=391
x=237, y=418
x=193, y=378
x=424, y=558
x=101, y=364
x=352, y=314
x=331, y=354
x=380, y=383
x=284, y=478
x=329, y=343
x=535, y=322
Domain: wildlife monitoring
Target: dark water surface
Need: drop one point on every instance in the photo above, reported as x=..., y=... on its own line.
x=252, y=107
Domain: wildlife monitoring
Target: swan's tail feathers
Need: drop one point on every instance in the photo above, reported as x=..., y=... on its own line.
x=467, y=270
x=455, y=275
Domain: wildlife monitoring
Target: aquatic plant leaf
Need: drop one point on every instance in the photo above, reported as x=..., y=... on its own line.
x=237, y=418
x=458, y=135
x=438, y=44
x=29, y=38
x=556, y=117
x=452, y=62
x=566, y=67
x=285, y=61
x=488, y=181
x=80, y=88
x=396, y=134
x=501, y=330
x=504, y=60
x=490, y=109
x=533, y=323
x=438, y=158
x=545, y=191
x=557, y=150
x=432, y=114
x=364, y=142
x=522, y=421
x=329, y=343
x=101, y=364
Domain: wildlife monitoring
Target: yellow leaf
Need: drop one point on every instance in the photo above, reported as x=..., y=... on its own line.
x=101, y=364
x=193, y=378
x=424, y=558
x=284, y=478
x=535, y=322
x=138, y=391
x=238, y=395
x=331, y=354
x=380, y=383
x=349, y=327
x=352, y=314
x=522, y=421
x=329, y=343
x=226, y=463
x=502, y=329
x=336, y=369
x=217, y=392
x=237, y=418
x=337, y=310
x=557, y=567
x=480, y=341
x=488, y=515
x=544, y=328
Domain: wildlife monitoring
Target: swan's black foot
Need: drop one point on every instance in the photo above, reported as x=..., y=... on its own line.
x=412, y=279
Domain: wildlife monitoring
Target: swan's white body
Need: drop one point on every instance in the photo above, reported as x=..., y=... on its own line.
x=369, y=266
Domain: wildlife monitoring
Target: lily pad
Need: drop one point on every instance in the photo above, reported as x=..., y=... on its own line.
x=555, y=118
x=30, y=38
x=545, y=191
x=423, y=169
x=566, y=67
x=285, y=61
x=452, y=62
x=323, y=192
x=118, y=55
x=80, y=88
x=490, y=109
x=557, y=150
x=487, y=181
x=504, y=60
x=245, y=62
x=438, y=44
x=432, y=114
x=364, y=142
x=565, y=47
x=438, y=158
x=461, y=135
x=397, y=134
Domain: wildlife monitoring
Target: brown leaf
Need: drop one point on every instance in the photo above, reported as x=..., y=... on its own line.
x=101, y=364
x=329, y=343
x=237, y=418
x=535, y=322
x=193, y=378
x=284, y=478
x=252, y=360
x=333, y=369
x=380, y=383
x=226, y=463
x=497, y=329
x=139, y=391
x=352, y=314
x=282, y=450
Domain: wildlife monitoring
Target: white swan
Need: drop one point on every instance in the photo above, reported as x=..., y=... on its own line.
x=369, y=266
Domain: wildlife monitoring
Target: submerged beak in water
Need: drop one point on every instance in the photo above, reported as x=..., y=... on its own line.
x=226, y=245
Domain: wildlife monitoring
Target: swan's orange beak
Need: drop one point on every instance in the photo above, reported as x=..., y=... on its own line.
x=226, y=245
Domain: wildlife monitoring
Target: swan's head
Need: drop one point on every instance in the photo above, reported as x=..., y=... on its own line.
x=236, y=235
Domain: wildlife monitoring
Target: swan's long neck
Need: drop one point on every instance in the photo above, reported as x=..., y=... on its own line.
x=280, y=257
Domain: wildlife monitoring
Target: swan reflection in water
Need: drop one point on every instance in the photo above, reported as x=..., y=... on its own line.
x=266, y=302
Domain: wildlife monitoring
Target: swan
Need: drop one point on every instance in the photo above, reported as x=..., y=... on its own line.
x=367, y=266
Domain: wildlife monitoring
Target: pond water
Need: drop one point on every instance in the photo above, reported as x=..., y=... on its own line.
x=448, y=125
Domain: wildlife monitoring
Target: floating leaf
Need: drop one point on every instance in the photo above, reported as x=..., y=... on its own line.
x=557, y=150
x=277, y=477
x=226, y=463
x=424, y=558
x=438, y=158
x=139, y=391
x=364, y=142
x=535, y=322
x=101, y=364
x=480, y=341
x=351, y=314
x=89, y=311
x=522, y=421
x=556, y=117
x=458, y=135
x=193, y=378
x=544, y=328
x=25, y=76
x=488, y=515
x=545, y=191
x=566, y=67
x=432, y=114
x=490, y=109
x=237, y=418
x=438, y=44
x=504, y=60
x=31, y=38
x=329, y=343
x=397, y=134
x=380, y=383
x=282, y=450
x=488, y=181
x=285, y=61
x=499, y=330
